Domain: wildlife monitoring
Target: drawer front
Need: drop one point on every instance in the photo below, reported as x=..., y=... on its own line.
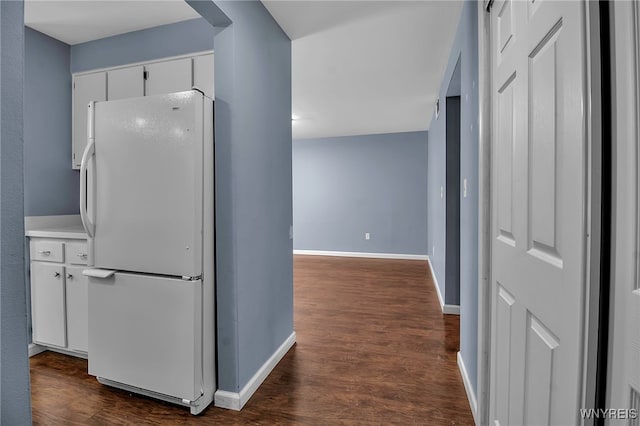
x=47, y=250
x=76, y=253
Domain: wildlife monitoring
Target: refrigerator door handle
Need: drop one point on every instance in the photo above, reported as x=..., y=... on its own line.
x=89, y=151
x=98, y=273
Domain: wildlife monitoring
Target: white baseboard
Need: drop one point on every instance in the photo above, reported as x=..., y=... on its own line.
x=446, y=309
x=362, y=254
x=235, y=400
x=471, y=395
x=35, y=349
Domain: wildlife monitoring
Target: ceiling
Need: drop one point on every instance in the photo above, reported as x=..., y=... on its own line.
x=364, y=67
x=358, y=67
x=78, y=21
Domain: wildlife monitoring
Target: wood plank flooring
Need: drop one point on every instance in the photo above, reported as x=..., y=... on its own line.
x=373, y=348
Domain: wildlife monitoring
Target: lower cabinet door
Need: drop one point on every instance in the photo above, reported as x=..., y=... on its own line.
x=77, y=309
x=48, y=316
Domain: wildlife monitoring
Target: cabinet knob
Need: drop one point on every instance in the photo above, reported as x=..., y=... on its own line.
x=69, y=276
x=56, y=274
x=82, y=255
x=45, y=252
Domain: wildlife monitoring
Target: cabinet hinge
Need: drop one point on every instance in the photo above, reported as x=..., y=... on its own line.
x=488, y=5
x=145, y=75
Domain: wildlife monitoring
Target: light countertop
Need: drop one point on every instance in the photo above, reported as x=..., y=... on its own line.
x=66, y=226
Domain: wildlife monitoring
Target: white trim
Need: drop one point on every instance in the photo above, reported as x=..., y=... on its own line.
x=446, y=309
x=471, y=395
x=484, y=215
x=40, y=348
x=152, y=61
x=35, y=349
x=362, y=254
x=234, y=400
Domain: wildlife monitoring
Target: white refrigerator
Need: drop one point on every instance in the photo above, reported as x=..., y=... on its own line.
x=147, y=204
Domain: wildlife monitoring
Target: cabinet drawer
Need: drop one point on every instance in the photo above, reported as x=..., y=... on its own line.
x=47, y=250
x=76, y=253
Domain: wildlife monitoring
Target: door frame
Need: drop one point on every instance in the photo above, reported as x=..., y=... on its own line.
x=625, y=266
x=593, y=123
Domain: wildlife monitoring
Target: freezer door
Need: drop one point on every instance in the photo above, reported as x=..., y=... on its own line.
x=146, y=331
x=148, y=184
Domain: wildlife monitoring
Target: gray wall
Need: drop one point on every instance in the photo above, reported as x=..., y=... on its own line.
x=15, y=406
x=181, y=38
x=253, y=188
x=51, y=187
x=346, y=186
x=464, y=47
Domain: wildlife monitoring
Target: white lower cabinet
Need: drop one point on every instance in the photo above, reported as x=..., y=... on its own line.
x=59, y=295
x=77, y=286
x=48, y=316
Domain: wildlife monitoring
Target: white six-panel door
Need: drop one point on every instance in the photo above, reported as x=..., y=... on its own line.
x=539, y=191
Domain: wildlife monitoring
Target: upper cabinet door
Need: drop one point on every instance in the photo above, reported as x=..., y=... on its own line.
x=86, y=88
x=168, y=77
x=125, y=83
x=203, y=74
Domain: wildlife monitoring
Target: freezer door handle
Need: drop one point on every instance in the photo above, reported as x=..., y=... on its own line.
x=98, y=273
x=89, y=151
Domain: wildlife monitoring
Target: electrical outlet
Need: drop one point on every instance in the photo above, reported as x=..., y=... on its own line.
x=367, y=236
x=442, y=192
x=291, y=232
x=433, y=251
x=464, y=188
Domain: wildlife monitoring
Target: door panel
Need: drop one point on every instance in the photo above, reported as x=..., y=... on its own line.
x=539, y=392
x=203, y=74
x=504, y=164
x=77, y=295
x=125, y=83
x=168, y=77
x=503, y=320
x=539, y=204
x=148, y=196
x=48, y=304
x=146, y=331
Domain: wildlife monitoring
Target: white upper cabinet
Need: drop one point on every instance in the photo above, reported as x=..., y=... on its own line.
x=86, y=88
x=203, y=74
x=143, y=79
x=125, y=83
x=168, y=77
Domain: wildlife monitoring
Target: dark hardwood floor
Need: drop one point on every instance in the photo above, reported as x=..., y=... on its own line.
x=372, y=348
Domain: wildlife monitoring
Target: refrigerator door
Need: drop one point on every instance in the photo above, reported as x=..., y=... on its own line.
x=146, y=331
x=148, y=184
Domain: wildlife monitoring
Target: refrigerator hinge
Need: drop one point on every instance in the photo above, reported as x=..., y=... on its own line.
x=196, y=278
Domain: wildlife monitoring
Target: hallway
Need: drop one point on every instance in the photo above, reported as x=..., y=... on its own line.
x=372, y=348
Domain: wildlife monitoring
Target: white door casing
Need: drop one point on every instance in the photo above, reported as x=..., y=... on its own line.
x=539, y=211
x=624, y=340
